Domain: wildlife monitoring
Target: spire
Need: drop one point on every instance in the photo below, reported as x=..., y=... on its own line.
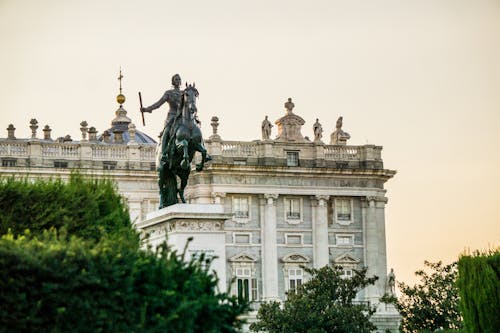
x=120, y=98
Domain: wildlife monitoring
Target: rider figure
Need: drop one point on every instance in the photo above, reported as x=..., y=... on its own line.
x=173, y=97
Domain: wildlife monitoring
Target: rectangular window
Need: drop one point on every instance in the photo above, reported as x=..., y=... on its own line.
x=109, y=165
x=242, y=238
x=60, y=164
x=292, y=158
x=246, y=285
x=346, y=273
x=343, y=209
x=8, y=162
x=344, y=239
x=240, y=162
x=241, y=208
x=295, y=278
x=292, y=209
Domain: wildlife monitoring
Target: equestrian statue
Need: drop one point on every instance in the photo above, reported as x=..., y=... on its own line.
x=180, y=139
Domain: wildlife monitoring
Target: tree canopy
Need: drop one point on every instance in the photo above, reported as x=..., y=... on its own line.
x=433, y=304
x=85, y=207
x=324, y=304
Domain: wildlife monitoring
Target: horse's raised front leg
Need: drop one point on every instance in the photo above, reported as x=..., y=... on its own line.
x=185, y=156
x=184, y=180
x=199, y=147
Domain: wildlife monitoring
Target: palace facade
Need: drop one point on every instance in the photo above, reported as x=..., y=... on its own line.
x=293, y=200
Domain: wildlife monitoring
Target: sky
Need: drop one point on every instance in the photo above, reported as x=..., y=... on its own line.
x=419, y=77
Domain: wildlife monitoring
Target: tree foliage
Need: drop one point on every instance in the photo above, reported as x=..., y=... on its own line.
x=479, y=285
x=66, y=284
x=323, y=304
x=72, y=263
x=433, y=303
x=88, y=208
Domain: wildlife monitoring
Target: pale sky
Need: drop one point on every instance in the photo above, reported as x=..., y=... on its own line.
x=420, y=78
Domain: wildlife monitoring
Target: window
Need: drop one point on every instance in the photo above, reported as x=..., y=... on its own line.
x=241, y=238
x=292, y=158
x=240, y=162
x=241, y=208
x=8, y=162
x=293, y=239
x=109, y=165
x=295, y=278
x=344, y=240
x=343, y=211
x=293, y=210
x=247, y=285
x=60, y=164
x=346, y=273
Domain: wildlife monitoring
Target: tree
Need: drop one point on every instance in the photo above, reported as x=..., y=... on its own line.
x=85, y=207
x=323, y=304
x=479, y=285
x=72, y=263
x=50, y=283
x=434, y=303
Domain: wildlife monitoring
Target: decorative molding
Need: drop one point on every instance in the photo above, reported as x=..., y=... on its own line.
x=243, y=258
x=196, y=225
x=295, y=258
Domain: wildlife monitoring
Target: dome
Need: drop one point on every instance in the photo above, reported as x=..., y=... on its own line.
x=119, y=131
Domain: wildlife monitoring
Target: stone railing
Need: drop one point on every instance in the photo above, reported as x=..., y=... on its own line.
x=60, y=150
x=238, y=149
x=39, y=150
x=14, y=149
x=343, y=153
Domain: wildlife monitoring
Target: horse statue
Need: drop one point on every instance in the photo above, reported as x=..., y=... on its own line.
x=184, y=142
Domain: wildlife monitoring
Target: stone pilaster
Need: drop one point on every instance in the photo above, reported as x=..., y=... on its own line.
x=320, y=230
x=270, y=250
x=218, y=197
x=376, y=260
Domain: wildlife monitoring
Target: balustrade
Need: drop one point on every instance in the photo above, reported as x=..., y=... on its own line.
x=343, y=153
x=238, y=149
x=13, y=149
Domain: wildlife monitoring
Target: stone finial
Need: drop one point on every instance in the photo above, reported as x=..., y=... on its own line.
x=84, y=130
x=132, y=130
x=339, y=137
x=266, y=129
x=106, y=136
x=46, y=133
x=118, y=136
x=33, y=127
x=67, y=138
x=290, y=125
x=318, y=131
x=10, y=132
x=92, y=134
x=215, y=124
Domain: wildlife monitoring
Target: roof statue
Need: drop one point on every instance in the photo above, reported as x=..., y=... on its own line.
x=266, y=129
x=180, y=139
x=318, y=131
x=339, y=137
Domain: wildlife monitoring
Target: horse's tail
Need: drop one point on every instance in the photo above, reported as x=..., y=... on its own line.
x=169, y=189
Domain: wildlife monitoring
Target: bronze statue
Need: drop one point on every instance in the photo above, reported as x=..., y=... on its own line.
x=180, y=139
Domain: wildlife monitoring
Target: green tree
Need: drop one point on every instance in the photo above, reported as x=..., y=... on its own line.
x=85, y=207
x=323, y=304
x=50, y=283
x=479, y=285
x=433, y=303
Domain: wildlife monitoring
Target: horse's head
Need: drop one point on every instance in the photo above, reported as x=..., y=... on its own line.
x=189, y=100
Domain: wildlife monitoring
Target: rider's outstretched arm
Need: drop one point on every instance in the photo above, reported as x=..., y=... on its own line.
x=156, y=105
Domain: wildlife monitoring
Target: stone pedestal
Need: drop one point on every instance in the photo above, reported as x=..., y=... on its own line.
x=203, y=222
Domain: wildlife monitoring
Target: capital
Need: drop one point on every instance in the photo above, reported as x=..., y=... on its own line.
x=322, y=199
x=271, y=198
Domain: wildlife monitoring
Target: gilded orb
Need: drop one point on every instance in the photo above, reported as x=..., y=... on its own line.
x=120, y=99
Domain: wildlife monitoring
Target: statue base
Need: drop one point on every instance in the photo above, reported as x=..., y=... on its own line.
x=203, y=222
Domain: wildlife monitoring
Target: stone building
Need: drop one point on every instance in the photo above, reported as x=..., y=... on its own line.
x=290, y=201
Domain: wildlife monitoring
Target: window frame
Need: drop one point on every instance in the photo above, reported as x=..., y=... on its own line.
x=241, y=219
x=301, y=236
x=296, y=161
x=287, y=202
x=236, y=234
x=336, y=205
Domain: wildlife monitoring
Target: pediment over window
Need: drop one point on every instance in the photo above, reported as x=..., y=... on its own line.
x=295, y=258
x=346, y=258
x=243, y=257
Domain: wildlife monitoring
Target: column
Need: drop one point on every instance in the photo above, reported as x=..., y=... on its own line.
x=320, y=230
x=270, y=250
x=375, y=246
